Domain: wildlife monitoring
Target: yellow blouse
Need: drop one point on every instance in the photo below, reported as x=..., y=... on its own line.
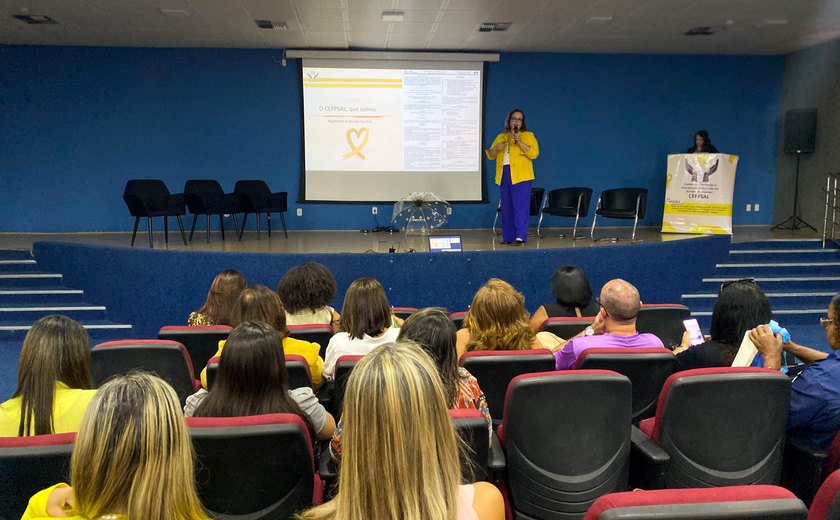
x=310, y=351
x=69, y=405
x=37, y=508
x=521, y=168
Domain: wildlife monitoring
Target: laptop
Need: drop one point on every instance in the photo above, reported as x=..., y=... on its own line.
x=444, y=243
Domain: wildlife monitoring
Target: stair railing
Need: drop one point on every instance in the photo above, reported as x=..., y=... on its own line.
x=832, y=200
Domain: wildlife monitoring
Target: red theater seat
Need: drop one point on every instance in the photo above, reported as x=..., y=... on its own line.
x=714, y=427
x=805, y=467
x=566, y=327
x=743, y=502
x=296, y=367
x=647, y=369
x=664, y=320
x=201, y=342
x=566, y=437
x=494, y=369
x=257, y=467
x=826, y=504
x=169, y=360
x=313, y=333
x=30, y=464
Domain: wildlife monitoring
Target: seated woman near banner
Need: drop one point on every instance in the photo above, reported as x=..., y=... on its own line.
x=702, y=143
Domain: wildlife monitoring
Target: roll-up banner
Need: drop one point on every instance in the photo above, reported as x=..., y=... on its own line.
x=698, y=193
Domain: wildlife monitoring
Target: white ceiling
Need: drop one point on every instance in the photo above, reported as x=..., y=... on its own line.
x=637, y=26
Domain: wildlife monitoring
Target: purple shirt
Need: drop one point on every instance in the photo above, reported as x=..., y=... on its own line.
x=567, y=356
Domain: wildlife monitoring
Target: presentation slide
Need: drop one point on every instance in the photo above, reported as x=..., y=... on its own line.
x=377, y=131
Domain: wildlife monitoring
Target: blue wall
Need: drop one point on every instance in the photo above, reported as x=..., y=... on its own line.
x=150, y=288
x=77, y=122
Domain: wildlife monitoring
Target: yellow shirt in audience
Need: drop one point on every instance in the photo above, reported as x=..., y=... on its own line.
x=69, y=405
x=310, y=351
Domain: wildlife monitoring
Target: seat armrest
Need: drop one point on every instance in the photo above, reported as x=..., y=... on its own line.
x=496, y=461
x=803, y=469
x=647, y=461
x=328, y=470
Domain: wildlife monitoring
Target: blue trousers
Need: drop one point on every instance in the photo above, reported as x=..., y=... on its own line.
x=515, y=206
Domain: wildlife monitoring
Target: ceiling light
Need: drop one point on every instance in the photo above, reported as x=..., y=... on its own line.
x=268, y=24
x=494, y=26
x=393, y=16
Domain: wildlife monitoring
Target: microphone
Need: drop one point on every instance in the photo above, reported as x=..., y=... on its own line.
x=515, y=134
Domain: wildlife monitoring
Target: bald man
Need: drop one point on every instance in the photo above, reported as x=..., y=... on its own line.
x=614, y=326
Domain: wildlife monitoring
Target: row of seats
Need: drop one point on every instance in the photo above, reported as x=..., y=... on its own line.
x=620, y=203
x=151, y=198
x=565, y=433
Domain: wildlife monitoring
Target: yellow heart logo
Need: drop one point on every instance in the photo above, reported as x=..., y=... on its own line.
x=357, y=138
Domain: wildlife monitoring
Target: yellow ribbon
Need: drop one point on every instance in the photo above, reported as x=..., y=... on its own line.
x=356, y=150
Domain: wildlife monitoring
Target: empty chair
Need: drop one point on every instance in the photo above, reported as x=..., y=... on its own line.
x=494, y=369
x=458, y=318
x=151, y=198
x=404, y=312
x=566, y=437
x=743, y=502
x=169, y=360
x=533, y=208
x=647, y=369
x=257, y=467
x=663, y=320
x=826, y=504
x=257, y=198
x=296, y=366
x=805, y=467
x=622, y=203
x=472, y=428
x=314, y=333
x=566, y=202
x=30, y=464
x=566, y=327
x=206, y=197
x=201, y=342
x=714, y=427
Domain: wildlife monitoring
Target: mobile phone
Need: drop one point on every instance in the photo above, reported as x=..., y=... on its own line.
x=695, y=336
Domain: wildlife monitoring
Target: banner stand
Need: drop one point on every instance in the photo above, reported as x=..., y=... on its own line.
x=698, y=193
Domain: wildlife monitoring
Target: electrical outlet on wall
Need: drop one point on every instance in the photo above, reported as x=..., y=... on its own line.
x=749, y=207
x=448, y=210
x=300, y=212
x=374, y=210
x=755, y=207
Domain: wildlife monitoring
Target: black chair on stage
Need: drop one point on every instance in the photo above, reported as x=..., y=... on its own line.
x=622, y=203
x=257, y=198
x=151, y=198
x=566, y=202
x=206, y=197
x=534, y=207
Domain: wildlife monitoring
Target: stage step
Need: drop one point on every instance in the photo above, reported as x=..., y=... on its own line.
x=35, y=311
x=798, y=276
x=29, y=279
x=99, y=330
x=53, y=294
x=15, y=254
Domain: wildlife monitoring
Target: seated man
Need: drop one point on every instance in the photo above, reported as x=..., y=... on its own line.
x=614, y=326
x=814, y=414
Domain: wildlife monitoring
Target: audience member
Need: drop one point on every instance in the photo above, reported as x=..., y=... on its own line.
x=401, y=452
x=366, y=322
x=252, y=380
x=814, y=415
x=306, y=292
x=614, y=326
x=54, y=384
x=433, y=331
x=133, y=458
x=218, y=308
x=259, y=303
x=572, y=297
x=497, y=320
x=741, y=306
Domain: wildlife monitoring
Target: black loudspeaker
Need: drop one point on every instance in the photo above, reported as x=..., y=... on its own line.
x=800, y=130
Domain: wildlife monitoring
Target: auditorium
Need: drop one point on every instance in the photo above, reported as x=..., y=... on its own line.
x=546, y=259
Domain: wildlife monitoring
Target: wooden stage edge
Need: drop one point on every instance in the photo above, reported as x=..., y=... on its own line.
x=323, y=241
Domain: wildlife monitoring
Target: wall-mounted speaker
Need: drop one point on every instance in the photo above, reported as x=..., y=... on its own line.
x=800, y=130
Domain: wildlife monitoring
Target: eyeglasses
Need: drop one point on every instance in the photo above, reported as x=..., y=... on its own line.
x=724, y=285
x=825, y=321
x=516, y=119
x=598, y=301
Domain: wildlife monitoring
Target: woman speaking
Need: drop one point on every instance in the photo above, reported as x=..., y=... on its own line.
x=514, y=150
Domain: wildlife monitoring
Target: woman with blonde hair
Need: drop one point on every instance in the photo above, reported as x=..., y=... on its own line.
x=259, y=303
x=395, y=400
x=54, y=384
x=366, y=322
x=218, y=307
x=133, y=458
x=497, y=320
